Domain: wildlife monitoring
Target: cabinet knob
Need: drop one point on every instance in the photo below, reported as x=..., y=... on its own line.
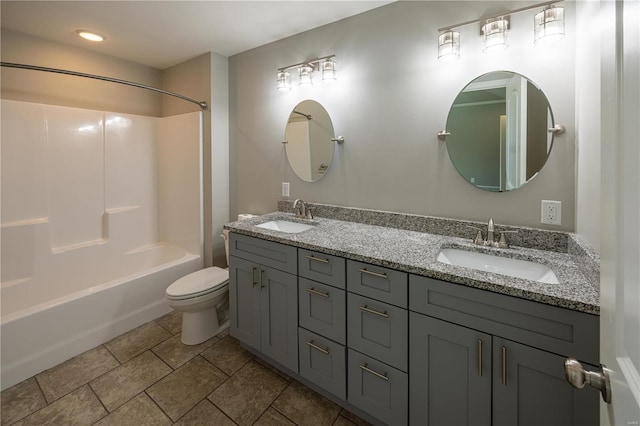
x=577, y=376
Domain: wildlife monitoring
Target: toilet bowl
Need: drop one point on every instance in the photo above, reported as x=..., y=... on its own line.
x=200, y=296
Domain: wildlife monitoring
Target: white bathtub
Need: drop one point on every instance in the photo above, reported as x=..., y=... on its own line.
x=119, y=294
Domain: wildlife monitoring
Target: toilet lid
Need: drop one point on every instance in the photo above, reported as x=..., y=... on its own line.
x=198, y=282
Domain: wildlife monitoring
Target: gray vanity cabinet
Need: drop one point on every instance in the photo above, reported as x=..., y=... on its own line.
x=263, y=297
x=450, y=374
x=463, y=376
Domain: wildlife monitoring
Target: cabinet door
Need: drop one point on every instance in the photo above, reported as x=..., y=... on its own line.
x=450, y=377
x=244, y=301
x=279, y=317
x=529, y=388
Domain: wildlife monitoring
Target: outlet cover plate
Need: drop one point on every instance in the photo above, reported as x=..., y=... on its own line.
x=551, y=212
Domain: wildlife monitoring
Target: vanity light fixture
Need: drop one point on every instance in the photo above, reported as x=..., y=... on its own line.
x=284, y=80
x=448, y=45
x=326, y=65
x=494, y=33
x=548, y=25
x=306, y=79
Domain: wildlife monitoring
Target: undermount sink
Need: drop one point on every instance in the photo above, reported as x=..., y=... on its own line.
x=498, y=265
x=286, y=226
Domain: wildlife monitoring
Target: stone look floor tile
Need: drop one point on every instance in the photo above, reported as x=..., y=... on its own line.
x=136, y=341
x=80, y=407
x=181, y=390
x=205, y=414
x=140, y=411
x=248, y=393
x=306, y=407
x=21, y=400
x=172, y=322
x=272, y=417
x=227, y=355
x=123, y=383
x=175, y=353
x=80, y=370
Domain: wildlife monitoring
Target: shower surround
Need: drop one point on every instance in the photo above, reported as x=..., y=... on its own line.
x=100, y=213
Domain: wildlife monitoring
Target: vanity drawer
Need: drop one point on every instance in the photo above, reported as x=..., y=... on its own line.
x=322, y=267
x=378, y=329
x=322, y=309
x=377, y=389
x=555, y=329
x=267, y=253
x=323, y=362
x=377, y=282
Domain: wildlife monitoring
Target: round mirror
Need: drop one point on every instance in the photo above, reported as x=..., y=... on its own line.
x=308, y=138
x=499, y=131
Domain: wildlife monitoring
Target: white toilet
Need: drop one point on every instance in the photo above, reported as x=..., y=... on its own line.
x=201, y=296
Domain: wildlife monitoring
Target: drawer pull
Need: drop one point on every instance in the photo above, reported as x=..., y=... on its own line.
x=375, y=373
x=318, y=259
x=317, y=293
x=375, y=274
x=371, y=311
x=318, y=348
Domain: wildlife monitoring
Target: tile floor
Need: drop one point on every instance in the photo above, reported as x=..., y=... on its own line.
x=148, y=377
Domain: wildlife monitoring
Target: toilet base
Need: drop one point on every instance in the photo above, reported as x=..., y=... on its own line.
x=198, y=327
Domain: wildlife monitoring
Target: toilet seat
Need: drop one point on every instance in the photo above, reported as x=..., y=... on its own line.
x=199, y=283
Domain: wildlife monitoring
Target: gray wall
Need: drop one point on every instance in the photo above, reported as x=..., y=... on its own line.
x=391, y=98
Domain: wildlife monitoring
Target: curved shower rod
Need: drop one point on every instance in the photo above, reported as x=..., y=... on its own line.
x=201, y=104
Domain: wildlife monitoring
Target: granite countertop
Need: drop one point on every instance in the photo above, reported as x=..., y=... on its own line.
x=416, y=253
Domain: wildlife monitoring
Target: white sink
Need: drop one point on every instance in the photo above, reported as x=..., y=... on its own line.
x=498, y=265
x=285, y=226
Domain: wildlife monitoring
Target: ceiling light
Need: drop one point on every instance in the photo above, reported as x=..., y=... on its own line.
x=495, y=35
x=88, y=35
x=448, y=46
x=548, y=25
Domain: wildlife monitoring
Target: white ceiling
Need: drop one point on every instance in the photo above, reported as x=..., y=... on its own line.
x=161, y=34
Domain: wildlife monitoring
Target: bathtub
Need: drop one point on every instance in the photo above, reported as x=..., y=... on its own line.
x=100, y=299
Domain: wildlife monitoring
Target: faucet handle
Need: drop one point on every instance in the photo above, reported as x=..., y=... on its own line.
x=502, y=242
x=479, y=239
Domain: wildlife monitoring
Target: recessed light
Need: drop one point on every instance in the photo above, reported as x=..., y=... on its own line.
x=88, y=35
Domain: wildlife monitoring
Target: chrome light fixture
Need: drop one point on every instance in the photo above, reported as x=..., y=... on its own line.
x=329, y=69
x=495, y=35
x=548, y=25
x=284, y=80
x=306, y=79
x=449, y=45
x=326, y=65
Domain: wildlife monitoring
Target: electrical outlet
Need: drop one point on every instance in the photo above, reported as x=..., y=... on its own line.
x=285, y=189
x=551, y=212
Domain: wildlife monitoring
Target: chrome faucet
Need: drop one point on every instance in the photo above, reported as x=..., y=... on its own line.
x=491, y=240
x=303, y=212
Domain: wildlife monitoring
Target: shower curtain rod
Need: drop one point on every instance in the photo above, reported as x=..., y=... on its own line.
x=201, y=104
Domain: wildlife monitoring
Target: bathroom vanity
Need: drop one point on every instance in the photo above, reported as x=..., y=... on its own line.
x=368, y=317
